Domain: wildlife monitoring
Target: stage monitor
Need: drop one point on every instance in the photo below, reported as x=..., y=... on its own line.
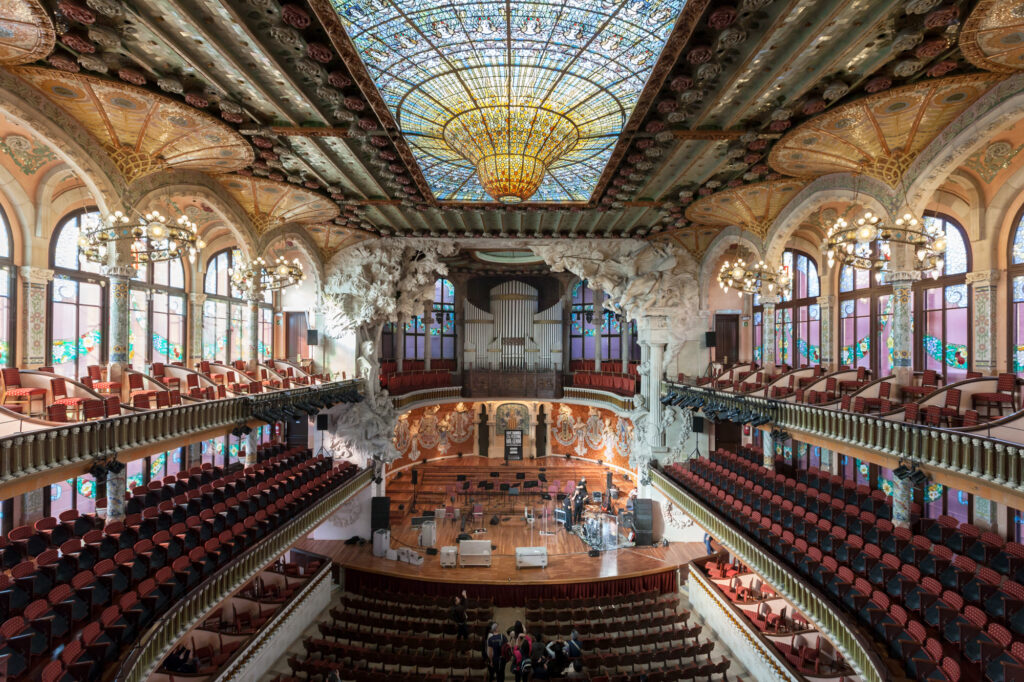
x=596, y=496
x=559, y=515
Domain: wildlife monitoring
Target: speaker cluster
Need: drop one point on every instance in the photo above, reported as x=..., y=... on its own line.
x=303, y=407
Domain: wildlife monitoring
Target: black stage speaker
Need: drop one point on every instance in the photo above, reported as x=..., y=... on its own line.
x=312, y=337
x=380, y=513
x=698, y=424
x=644, y=538
x=643, y=514
x=709, y=339
x=608, y=481
x=415, y=477
x=321, y=422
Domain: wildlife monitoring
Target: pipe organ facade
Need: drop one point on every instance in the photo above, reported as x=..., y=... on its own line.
x=513, y=335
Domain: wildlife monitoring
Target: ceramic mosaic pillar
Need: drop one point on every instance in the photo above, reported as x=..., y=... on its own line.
x=428, y=320
x=119, y=276
x=768, y=332
x=826, y=460
x=117, y=487
x=399, y=344
x=902, y=496
x=902, y=325
x=598, y=312
x=983, y=285
x=195, y=323
x=768, y=443
x=253, y=357
x=624, y=344
x=33, y=322
x=251, y=445
x=826, y=324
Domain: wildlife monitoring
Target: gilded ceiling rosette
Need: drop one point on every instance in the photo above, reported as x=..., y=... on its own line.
x=142, y=131
x=26, y=32
x=752, y=207
x=270, y=203
x=879, y=135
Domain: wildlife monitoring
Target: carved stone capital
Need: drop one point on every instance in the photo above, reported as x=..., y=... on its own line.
x=828, y=301
x=123, y=271
x=897, y=277
x=197, y=299
x=34, y=275
x=983, y=277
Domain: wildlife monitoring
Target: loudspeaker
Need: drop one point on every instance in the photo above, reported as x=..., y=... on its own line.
x=698, y=424
x=380, y=513
x=321, y=422
x=709, y=339
x=495, y=520
x=431, y=551
x=643, y=514
x=644, y=538
x=608, y=481
x=415, y=477
x=594, y=552
x=312, y=337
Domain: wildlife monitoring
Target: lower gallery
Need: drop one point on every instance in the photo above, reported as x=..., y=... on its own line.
x=621, y=340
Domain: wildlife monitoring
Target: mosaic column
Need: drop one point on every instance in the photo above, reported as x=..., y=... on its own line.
x=117, y=487
x=251, y=446
x=826, y=324
x=768, y=443
x=902, y=325
x=597, y=319
x=193, y=455
x=902, y=496
x=983, y=285
x=399, y=337
x=428, y=320
x=33, y=322
x=826, y=460
x=119, y=276
x=768, y=332
x=253, y=357
x=624, y=344
x=195, y=323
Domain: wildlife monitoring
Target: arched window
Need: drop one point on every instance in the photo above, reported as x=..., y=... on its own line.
x=945, y=335
x=797, y=316
x=442, y=327
x=1015, y=272
x=226, y=313
x=78, y=304
x=157, y=322
x=581, y=319
x=7, y=306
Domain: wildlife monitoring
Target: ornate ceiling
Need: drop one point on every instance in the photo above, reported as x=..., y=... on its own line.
x=333, y=113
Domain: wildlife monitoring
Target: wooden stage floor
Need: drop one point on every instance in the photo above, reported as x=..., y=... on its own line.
x=567, y=556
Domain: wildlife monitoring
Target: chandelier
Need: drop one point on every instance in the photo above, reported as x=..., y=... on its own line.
x=151, y=238
x=752, y=279
x=511, y=146
x=866, y=243
x=260, y=275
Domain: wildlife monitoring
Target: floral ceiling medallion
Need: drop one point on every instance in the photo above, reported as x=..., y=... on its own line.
x=993, y=36
x=510, y=101
x=752, y=207
x=26, y=32
x=270, y=203
x=879, y=135
x=143, y=132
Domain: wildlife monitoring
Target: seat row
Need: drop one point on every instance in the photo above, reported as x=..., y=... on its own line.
x=403, y=382
x=622, y=384
x=50, y=607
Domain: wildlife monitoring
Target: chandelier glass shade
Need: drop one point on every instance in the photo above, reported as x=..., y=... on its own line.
x=264, y=276
x=511, y=146
x=865, y=243
x=152, y=238
x=757, y=278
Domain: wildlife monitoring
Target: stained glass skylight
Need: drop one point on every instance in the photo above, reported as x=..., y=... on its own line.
x=569, y=72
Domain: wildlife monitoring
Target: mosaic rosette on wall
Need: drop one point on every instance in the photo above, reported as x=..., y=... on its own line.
x=445, y=69
x=993, y=36
x=270, y=203
x=142, y=131
x=879, y=135
x=26, y=32
x=752, y=207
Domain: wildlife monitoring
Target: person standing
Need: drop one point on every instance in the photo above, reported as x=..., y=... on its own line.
x=496, y=642
x=459, y=616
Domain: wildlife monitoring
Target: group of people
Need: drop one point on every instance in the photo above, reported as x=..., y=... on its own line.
x=528, y=657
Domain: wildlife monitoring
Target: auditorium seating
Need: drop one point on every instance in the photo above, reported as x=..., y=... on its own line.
x=406, y=382
x=622, y=384
x=945, y=598
x=67, y=574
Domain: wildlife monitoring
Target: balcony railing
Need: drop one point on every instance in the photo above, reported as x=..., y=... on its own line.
x=35, y=453
x=154, y=644
x=996, y=462
x=842, y=631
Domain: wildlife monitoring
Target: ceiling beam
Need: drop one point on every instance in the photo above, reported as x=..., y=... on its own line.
x=312, y=131
x=703, y=134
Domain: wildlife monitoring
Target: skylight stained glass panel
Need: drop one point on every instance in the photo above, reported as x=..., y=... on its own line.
x=587, y=61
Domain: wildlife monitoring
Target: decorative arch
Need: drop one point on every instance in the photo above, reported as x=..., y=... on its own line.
x=302, y=241
x=841, y=187
x=722, y=241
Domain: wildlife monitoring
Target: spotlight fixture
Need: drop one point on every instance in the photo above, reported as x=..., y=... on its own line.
x=918, y=477
x=902, y=472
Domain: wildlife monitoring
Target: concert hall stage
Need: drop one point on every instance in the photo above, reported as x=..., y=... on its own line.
x=569, y=565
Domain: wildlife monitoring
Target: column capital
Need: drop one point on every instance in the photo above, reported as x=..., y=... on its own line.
x=123, y=271
x=903, y=276
x=826, y=300
x=769, y=300
x=197, y=299
x=34, y=275
x=983, y=277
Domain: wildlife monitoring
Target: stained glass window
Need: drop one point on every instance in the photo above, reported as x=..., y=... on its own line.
x=757, y=344
x=7, y=312
x=582, y=326
x=77, y=302
x=442, y=326
x=797, y=326
x=228, y=338
x=158, y=305
x=413, y=333
x=855, y=332
x=956, y=257
x=580, y=64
